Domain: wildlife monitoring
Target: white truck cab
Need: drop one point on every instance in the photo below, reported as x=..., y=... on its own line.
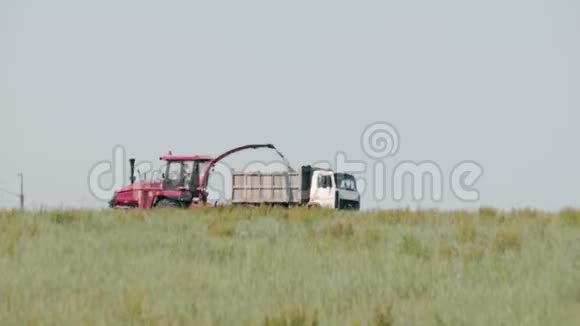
x=333, y=190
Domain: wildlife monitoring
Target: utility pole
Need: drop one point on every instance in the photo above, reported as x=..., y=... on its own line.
x=21, y=190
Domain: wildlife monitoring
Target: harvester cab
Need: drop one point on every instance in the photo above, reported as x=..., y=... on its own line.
x=183, y=172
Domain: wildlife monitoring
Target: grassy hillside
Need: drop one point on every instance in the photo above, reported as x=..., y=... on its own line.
x=289, y=267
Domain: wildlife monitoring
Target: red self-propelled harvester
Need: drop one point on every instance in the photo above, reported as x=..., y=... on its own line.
x=183, y=184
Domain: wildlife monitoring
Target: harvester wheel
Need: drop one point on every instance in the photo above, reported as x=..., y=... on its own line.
x=167, y=203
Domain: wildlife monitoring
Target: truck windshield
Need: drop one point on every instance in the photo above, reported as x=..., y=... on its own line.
x=345, y=181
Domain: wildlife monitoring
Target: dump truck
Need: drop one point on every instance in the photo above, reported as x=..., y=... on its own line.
x=311, y=187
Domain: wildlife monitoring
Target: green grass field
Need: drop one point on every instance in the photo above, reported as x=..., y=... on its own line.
x=259, y=266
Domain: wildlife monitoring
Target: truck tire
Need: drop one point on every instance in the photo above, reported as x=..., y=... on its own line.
x=167, y=203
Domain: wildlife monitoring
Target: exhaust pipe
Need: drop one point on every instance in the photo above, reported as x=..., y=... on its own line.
x=132, y=166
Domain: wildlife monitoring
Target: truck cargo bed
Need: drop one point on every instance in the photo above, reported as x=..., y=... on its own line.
x=266, y=188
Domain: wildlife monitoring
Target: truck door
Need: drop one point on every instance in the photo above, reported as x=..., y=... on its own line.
x=323, y=189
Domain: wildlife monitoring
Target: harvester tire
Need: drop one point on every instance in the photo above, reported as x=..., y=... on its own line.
x=167, y=203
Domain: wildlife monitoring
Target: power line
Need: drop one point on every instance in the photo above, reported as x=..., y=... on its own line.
x=9, y=192
x=21, y=194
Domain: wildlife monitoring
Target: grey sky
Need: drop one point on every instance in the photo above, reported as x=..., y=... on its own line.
x=492, y=81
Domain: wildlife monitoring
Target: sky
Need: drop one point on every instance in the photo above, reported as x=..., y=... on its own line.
x=493, y=82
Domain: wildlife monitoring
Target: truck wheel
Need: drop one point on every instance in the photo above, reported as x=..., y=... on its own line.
x=167, y=203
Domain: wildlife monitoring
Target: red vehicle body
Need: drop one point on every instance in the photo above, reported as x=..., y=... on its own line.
x=184, y=183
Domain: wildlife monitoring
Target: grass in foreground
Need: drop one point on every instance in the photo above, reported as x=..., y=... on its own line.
x=231, y=266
